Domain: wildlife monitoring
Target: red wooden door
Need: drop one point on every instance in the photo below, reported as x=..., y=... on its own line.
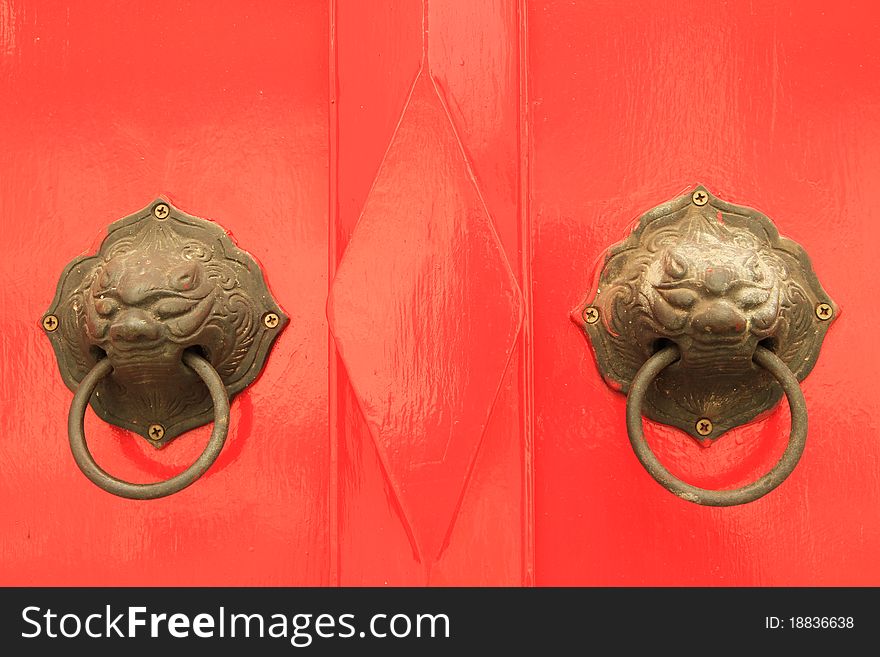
x=428, y=186
x=218, y=108
x=772, y=105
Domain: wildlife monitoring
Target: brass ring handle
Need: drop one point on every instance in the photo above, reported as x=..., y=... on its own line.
x=98, y=476
x=749, y=493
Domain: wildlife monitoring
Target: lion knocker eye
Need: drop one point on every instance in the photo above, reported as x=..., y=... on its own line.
x=756, y=269
x=674, y=266
x=168, y=308
x=681, y=298
x=184, y=277
x=105, y=307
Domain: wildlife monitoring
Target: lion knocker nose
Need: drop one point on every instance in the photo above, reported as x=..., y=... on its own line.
x=704, y=315
x=135, y=326
x=165, y=324
x=719, y=319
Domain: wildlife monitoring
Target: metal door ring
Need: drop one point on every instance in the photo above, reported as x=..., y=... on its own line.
x=97, y=475
x=749, y=493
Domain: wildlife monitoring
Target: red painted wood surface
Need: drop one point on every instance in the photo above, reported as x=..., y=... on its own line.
x=215, y=106
x=429, y=422
x=439, y=179
x=773, y=105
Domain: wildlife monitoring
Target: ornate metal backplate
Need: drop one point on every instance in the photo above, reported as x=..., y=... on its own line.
x=717, y=280
x=162, y=282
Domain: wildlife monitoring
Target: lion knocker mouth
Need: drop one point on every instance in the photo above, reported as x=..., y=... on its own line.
x=717, y=281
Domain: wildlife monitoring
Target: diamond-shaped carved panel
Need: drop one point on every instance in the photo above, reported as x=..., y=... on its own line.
x=425, y=311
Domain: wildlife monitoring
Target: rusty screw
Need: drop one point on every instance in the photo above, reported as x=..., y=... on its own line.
x=700, y=197
x=50, y=323
x=591, y=314
x=161, y=211
x=824, y=311
x=704, y=426
x=271, y=320
x=156, y=432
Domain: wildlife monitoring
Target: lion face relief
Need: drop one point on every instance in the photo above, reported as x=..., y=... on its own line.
x=144, y=308
x=716, y=299
x=717, y=281
x=162, y=283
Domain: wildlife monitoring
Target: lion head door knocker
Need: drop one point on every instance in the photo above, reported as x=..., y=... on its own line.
x=159, y=331
x=704, y=316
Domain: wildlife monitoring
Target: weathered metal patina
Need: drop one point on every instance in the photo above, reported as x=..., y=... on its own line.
x=717, y=281
x=704, y=315
x=797, y=438
x=163, y=284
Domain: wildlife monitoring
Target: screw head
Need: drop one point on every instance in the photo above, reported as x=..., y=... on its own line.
x=704, y=426
x=50, y=323
x=271, y=320
x=591, y=314
x=161, y=211
x=824, y=311
x=700, y=197
x=156, y=432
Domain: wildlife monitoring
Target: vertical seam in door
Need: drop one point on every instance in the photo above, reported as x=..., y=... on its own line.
x=525, y=238
x=332, y=358
x=425, y=66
